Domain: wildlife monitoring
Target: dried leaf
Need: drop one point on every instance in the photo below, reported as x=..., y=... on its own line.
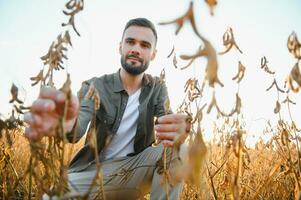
x=241, y=72
x=73, y=8
x=24, y=108
x=50, y=82
x=264, y=65
x=296, y=76
x=188, y=16
x=196, y=153
x=263, y=62
x=199, y=114
x=294, y=127
x=294, y=45
x=162, y=76
x=70, y=4
x=2, y=127
x=238, y=104
x=188, y=64
x=11, y=121
x=237, y=108
x=175, y=62
x=192, y=88
x=55, y=55
x=37, y=78
x=93, y=94
x=276, y=85
x=212, y=65
x=208, y=51
x=190, y=84
x=96, y=101
x=91, y=137
x=14, y=94
x=90, y=92
x=18, y=110
x=291, y=84
x=229, y=41
x=288, y=100
x=66, y=88
x=211, y=4
x=212, y=103
x=67, y=38
x=157, y=140
x=172, y=51
x=277, y=108
x=167, y=106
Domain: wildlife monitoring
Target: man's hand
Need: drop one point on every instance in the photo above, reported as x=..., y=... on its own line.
x=172, y=129
x=46, y=111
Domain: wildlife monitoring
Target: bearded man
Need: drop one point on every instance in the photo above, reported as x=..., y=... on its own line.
x=130, y=100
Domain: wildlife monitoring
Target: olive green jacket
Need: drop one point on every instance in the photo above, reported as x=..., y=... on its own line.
x=113, y=101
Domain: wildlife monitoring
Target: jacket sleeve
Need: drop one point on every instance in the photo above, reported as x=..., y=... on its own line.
x=162, y=101
x=84, y=116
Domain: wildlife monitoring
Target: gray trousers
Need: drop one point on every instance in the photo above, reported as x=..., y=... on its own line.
x=131, y=177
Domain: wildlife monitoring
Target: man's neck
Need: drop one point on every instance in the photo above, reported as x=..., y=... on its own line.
x=131, y=83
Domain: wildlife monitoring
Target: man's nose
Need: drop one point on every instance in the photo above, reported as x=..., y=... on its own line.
x=135, y=50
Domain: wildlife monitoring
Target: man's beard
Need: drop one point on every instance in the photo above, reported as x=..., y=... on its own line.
x=133, y=70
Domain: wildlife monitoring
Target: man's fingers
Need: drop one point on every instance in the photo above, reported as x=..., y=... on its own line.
x=172, y=118
x=45, y=112
x=166, y=127
x=72, y=108
x=31, y=134
x=33, y=119
x=166, y=135
x=59, y=99
x=168, y=143
x=52, y=93
x=42, y=105
x=170, y=129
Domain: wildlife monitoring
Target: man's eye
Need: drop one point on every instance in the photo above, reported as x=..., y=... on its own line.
x=130, y=42
x=144, y=45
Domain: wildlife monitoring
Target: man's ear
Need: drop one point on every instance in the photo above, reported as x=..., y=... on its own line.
x=154, y=54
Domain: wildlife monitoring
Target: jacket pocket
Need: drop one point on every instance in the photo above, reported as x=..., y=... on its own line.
x=105, y=119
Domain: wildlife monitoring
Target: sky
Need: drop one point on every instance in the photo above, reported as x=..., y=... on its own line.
x=261, y=28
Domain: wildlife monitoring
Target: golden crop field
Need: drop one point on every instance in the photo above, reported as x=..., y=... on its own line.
x=222, y=168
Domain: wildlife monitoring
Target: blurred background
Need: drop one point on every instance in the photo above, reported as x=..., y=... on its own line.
x=261, y=28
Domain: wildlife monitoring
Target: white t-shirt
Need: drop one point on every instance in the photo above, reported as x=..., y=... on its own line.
x=123, y=141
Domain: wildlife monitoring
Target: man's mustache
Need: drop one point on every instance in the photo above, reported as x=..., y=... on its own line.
x=136, y=57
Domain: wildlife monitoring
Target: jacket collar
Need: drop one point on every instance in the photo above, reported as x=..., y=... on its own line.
x=117, y=83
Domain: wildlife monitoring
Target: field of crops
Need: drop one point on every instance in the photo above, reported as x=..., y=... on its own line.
x=222, y=168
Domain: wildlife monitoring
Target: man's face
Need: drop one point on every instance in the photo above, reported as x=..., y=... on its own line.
x=137, y=49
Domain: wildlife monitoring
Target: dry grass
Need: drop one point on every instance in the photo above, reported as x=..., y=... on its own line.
x=14, y=164
x=265, y=173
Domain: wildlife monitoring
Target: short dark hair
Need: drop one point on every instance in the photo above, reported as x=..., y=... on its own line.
x=141, y=22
